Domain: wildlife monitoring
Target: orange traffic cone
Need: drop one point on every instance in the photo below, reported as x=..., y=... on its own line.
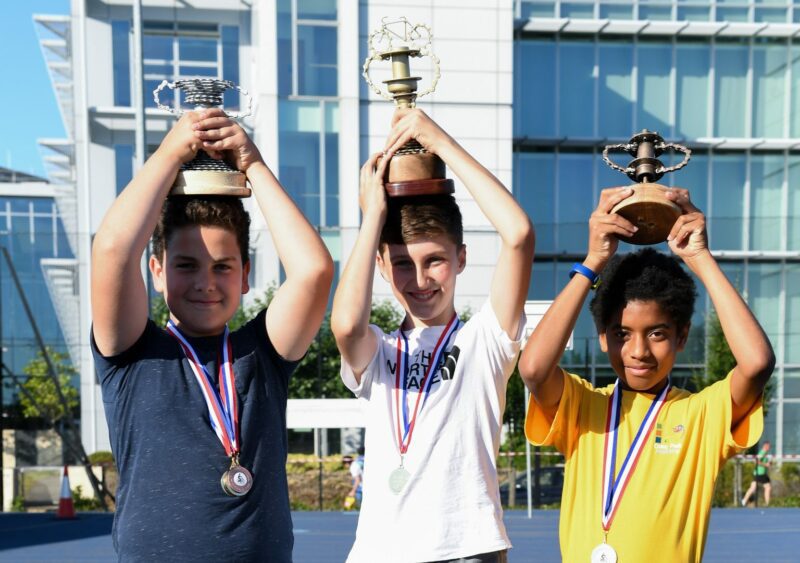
x=66, y=510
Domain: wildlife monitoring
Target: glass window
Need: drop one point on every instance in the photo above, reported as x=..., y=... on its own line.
x=794, y=113
x=732, y=14
x=316, y=9
x=655, y=12
x=121, y=60
x=694, y=13
x=693, y=177
x=616, y=11
x=309, y=160
x=575, y=201
x=655, y=100
x=543, y=283
x=766, y=210
x=577, y=10
x=791, y=428
x=791, y=384
x=793, y=227
x=692, y=71
x=576, y=89
x=535, y=95
x=730, y=88
x=791, y=352
x=769, y=77
x=230, y=64
x=777, y=15
x=763, y=296
x=199, y=49
x=535, y=189
x=727, y=201
x=123, y=161
x=284, y=59
x=317, y=56
x=615, y=90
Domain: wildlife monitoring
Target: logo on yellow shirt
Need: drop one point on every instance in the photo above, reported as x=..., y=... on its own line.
x=668, y=442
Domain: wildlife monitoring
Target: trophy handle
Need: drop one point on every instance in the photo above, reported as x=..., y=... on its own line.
x=180, y=111
x=659, y=148
x=424, y=51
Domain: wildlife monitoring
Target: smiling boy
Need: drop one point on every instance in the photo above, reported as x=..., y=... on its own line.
x=642, y=456
x=434, y=390
x=197, y=414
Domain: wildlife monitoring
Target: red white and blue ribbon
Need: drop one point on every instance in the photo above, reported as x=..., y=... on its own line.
x=401, y=406
x=614, y=488
x=222, y=406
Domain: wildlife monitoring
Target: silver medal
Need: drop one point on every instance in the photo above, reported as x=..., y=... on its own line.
x=398, y=479
x=604, y=553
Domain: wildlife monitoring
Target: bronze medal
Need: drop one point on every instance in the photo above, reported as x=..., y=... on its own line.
x=237, y=481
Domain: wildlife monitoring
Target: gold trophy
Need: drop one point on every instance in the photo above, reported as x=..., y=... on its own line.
x=204, y=175
x=412, y=170
x=648, y=208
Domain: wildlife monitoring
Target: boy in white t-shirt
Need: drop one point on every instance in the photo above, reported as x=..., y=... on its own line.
x=434, y=390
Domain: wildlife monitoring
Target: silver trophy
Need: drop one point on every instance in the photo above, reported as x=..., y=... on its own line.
x=204, y=175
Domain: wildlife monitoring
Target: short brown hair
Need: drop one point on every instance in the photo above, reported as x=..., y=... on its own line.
x=412, y=218
x=225, y=212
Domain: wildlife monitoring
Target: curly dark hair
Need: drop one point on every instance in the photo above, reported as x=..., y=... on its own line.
x=411, y=218
x=207, y=211
x=646, y=275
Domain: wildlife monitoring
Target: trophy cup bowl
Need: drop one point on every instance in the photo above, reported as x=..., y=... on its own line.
x=412, y=169
x=204, y=175
x=648, y=208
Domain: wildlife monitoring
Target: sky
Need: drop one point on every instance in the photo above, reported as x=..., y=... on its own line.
x=26, y=96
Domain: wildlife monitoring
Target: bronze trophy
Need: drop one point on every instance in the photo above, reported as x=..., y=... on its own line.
x=412, y=170
x=648, y=208
x=204, y=175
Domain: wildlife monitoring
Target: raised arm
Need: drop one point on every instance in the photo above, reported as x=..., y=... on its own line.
x=538, y=364
x=751, y=348
x=119, y=298
x=513, y=271
x=352, y=302
x=298, y=307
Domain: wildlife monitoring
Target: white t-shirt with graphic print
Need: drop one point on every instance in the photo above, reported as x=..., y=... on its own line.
x=450, y=507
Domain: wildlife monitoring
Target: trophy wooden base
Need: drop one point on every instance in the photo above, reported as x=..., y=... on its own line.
x=650, y=210
x=437, y=186
x=210, y=182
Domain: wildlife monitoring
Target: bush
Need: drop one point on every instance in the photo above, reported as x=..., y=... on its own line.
x=101, y=458
x=82, y=503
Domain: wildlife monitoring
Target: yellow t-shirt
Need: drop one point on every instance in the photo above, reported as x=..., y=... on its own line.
x=663, y=513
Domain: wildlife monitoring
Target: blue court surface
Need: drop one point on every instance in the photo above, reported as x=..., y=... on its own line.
x=321, y=537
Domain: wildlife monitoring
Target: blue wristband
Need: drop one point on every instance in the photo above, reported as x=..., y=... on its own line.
x=584, y=271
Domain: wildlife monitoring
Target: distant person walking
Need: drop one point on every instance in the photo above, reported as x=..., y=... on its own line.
x=760, y=475
x=357, y=479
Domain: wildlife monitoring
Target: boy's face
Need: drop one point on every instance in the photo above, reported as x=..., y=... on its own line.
x=423, y=277
x=202, y=278
x=641, y=341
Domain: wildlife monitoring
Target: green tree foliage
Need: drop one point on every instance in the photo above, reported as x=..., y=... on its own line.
x=39, y=397
x=719, y=359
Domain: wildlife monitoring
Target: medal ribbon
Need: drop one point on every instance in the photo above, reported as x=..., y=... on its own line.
x=404, y=437
x=223, y=410
x=613, y=489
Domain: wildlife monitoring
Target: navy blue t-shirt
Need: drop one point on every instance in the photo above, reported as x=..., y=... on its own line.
x=170, y=504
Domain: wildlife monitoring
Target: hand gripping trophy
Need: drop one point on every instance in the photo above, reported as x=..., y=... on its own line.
x=204, y=175
x=412, y=170
x=648, y=208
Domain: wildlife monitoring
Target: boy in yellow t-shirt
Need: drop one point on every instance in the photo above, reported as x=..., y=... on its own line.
x=641, y=455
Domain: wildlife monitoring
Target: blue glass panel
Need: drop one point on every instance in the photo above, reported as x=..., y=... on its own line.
x=763, y=296
x=535, y=189
x=655, y=13
x=654, y=97
x=197, y=49
x=197, y=71
x=769, y=79
x=766, y=209
x=693, y=177
x=692, y=71
x=616, y=11
x=331, y=179
x=543, y=284
x=694, y=13
x=791, y=383
x=730, y=90
x=615, y=90
x=576, y=89
x=317, y=56
x=121, y=59
x=791, y=428
x=535, y=92
x=794, y=96
x=733, y=14
x=575, y=201
x=727, y=208
x=537, y=8
x=123, y=162
x=774, y=15
x=284, y=59
x=317, y=9
x=792, y=335
x=793, y=227
x=577, y=10
x=298, y=139
x=158, y=47
x=230, y=64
